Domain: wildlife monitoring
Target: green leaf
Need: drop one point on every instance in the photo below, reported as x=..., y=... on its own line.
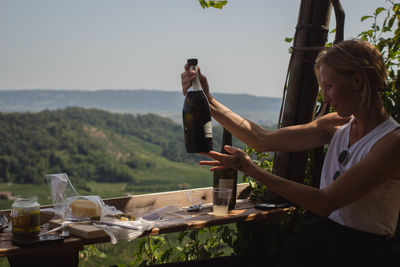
x=391, y=21
x=203, y=3
x=182, y=236
x=166, y=255
x=218, y=4
x=365, y=17
x=289, y=39
x=215, y=4
x=379, y=10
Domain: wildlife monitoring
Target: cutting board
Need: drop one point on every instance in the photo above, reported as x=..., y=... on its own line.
x=83, y=230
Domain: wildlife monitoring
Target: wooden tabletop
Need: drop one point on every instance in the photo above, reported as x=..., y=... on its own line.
x=244, y=211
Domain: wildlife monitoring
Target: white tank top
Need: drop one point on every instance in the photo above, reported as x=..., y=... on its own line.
x=378, y=211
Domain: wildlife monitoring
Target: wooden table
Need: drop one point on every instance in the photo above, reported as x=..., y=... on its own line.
x=66, y=254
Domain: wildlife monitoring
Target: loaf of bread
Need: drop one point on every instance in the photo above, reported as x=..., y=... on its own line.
x=85, y=208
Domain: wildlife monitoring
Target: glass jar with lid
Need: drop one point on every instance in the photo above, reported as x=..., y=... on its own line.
x=25, y=216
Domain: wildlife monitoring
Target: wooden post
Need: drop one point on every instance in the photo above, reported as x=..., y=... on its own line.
x=302, y=87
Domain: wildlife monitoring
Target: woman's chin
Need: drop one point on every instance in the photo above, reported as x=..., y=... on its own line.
x=343, y=114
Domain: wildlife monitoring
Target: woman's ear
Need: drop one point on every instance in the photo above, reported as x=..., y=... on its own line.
x=358, y=81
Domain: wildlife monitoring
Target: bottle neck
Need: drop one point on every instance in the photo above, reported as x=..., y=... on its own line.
x=226, y=140
x=196, y=85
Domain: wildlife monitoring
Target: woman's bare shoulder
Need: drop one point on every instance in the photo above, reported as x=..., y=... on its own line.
x=386, y=152
x=331, y=122
x=390, y=143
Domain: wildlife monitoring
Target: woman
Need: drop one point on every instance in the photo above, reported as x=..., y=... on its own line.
x=360, y=186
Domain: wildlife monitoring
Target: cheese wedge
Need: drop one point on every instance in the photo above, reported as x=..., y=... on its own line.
x=85, y=208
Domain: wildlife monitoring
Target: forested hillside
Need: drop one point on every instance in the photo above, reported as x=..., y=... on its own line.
x=91, y=144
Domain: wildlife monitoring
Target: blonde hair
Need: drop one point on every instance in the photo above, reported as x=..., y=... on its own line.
x=355, y=56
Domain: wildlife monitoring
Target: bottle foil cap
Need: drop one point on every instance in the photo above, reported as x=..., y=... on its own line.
x=192, y=61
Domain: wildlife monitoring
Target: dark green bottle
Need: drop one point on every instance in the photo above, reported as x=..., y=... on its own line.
x=226, y=178
x=196, y=117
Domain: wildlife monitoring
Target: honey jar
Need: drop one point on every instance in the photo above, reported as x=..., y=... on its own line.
x=25, y=216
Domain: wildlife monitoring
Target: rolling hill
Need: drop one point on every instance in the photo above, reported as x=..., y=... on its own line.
x=142, y=151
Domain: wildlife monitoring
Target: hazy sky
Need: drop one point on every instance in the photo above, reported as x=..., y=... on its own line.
x=130, y=44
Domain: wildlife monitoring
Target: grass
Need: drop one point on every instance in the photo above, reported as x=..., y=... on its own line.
x=42, y=191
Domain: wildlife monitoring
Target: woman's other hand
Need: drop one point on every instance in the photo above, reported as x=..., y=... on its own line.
x=236, y=159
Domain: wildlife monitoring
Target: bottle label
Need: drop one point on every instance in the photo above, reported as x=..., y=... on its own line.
x=226, y=183
x=208, y=130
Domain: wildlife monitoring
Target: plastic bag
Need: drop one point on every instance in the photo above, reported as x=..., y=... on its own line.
x=117, y=233
x=63, y=194
x=165, y=214
x=60, y=190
